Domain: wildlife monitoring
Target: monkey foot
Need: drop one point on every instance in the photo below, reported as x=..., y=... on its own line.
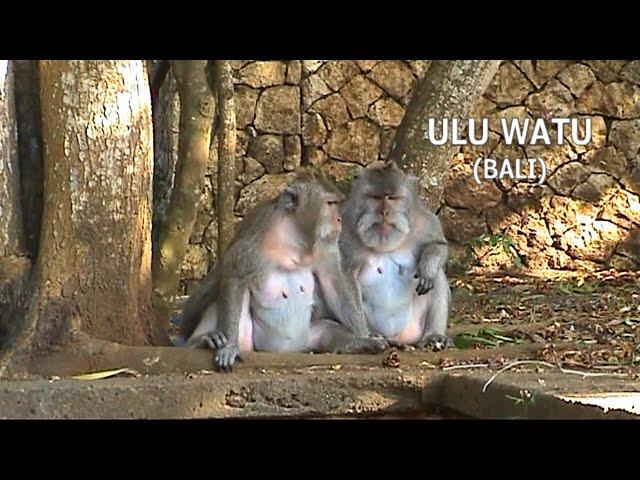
x=214, y=340
x=435, y=342
x=364, y=345
x=226, y=357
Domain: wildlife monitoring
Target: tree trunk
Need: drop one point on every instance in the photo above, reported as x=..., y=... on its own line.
x=449, y=89
x=93, y=270
x=225, y=201
x=197, y=108
x=166, y=113
x=11, y=234
x=13, y=265
x=29, y=120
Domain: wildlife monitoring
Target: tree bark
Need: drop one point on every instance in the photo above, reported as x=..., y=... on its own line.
x=11, y=233
x=166, y=117
x=449, y=89
x=29, y=121
x=14, y=267
x=93, y=271
x=225, y=201
x=197, y=108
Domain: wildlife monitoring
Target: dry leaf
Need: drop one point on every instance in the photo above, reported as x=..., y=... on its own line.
x=105, y=374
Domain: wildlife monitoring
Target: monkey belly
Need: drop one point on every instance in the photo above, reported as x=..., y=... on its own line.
x=391, y=305
x=281, y=308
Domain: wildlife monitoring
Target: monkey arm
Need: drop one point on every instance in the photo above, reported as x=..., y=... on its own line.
x=232, y=291
x=340, y=292
x=344, y=297
x=230, y=302
x=434, y=245
x=349, y=304
x=198, y=302
x=432, y=253
x=435, y=254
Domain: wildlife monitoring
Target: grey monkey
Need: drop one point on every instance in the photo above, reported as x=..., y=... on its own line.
x=394, y=250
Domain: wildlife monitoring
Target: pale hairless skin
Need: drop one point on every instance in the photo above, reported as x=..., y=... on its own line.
x=278, y=293
x=394, y=250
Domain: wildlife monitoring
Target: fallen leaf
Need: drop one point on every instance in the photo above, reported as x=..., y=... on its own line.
x=105, y=374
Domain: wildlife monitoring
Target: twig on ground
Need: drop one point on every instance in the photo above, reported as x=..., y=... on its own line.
x=547, y=364
x=460, y=367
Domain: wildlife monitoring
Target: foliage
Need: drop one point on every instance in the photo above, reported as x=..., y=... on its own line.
x=493, y=240
x=487, y=336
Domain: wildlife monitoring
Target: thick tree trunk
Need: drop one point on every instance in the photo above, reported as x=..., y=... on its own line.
x=197, y=108
x=93, y=271
x=29, y=120
x=225, y=200
x=14, y=267
x=449, y=89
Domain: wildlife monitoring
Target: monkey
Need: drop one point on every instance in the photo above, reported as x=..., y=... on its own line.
x=278, y=280
x=394, y=250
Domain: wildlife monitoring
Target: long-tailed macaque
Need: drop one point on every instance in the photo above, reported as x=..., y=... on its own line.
x=279, y=281
x=394, y=249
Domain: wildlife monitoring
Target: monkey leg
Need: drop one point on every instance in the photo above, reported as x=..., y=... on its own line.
x=206, y=332
x=330, y=336
x=435, y=322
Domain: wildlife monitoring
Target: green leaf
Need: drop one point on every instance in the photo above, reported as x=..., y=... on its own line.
x=465, y=340
x=491, y=331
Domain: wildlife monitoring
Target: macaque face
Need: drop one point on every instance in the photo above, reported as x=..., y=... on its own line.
x=311, y=215
x=383, y=217
x=318, y=210
x=329, y=222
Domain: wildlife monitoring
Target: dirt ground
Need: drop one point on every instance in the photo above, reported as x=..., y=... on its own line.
x=587, y=322
x=523, y=335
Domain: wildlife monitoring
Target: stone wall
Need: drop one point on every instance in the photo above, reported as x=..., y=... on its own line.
x=587, y=213
x=342, y=115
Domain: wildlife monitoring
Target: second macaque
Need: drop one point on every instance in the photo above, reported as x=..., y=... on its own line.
x=394, y=250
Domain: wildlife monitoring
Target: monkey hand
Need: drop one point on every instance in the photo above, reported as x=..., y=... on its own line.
x=426, y=275
x=214, y=340
x=435, y=341
x=226, y=357
x=370, y=344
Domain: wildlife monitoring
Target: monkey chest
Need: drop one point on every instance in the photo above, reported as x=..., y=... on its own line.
x=388, y=294
x=281, y=288
x=388, y=277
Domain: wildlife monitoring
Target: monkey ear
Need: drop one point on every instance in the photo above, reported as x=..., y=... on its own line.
x=289, y=199
x=391, y=164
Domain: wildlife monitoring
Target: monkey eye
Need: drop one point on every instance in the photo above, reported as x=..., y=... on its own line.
x=394, y=197
x=333, y=202
x=376, y=197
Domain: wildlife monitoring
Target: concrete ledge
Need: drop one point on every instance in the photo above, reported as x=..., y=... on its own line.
x=208, y=396
x=315, y=393
x=177, y=383
x=524, y=396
